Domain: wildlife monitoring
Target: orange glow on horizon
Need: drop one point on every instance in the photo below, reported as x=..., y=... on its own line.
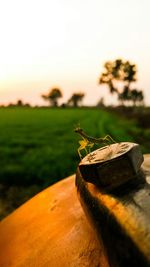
x=66, y=43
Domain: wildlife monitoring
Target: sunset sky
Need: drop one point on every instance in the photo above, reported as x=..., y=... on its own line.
x=64, y=43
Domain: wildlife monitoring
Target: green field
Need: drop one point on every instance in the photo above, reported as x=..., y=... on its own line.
x=39, y=147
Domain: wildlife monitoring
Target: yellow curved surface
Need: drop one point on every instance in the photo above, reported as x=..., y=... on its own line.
x=50, y=230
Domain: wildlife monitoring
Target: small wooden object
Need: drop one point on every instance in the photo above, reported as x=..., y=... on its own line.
x=112, y=166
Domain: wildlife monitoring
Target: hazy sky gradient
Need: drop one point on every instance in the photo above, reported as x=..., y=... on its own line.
x=64, y=43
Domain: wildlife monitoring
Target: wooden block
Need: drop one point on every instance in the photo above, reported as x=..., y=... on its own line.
x=112, y=166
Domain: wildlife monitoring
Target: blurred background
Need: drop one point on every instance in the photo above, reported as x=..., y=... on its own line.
x=64, y=64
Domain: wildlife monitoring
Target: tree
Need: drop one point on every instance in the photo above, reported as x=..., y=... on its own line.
x=76, y=99
x=101, y=103
x=134, y=96
x=125, y=95
x=52, y=96
x=137, y=96
x=119, y=75
x=19, y=103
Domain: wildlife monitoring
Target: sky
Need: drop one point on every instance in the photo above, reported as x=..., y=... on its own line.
x=64, y=43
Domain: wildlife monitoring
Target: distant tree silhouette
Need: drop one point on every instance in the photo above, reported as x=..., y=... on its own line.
x=101, y=103
x=137, y=97
x=52, y=96
x=119, y=75
x=27, y=105
x=20, y=103
x=118, y=71
x=76, y=99
x=125, y=95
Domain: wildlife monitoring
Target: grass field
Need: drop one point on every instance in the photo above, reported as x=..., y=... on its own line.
x=38, y=146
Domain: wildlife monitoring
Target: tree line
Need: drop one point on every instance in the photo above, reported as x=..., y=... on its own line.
x=118, y=76
x=55, y=93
